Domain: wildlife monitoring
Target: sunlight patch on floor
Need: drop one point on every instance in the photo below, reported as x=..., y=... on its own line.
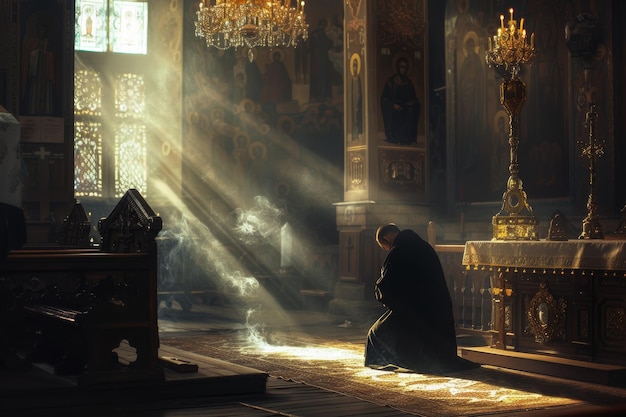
x=308, y=353
x=348, y=358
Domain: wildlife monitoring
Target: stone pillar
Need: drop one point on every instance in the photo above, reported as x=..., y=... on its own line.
x=386, y=125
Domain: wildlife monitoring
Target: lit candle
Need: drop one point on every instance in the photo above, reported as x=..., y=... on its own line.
x=511, y=11
x=502, y=21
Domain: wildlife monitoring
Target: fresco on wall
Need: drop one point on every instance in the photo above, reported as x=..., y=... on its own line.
x=546, y=152
x=399, y=104
x=40, y=69
x=401, y=36
x=43, y=70
x=402, y=105
x=273, y=127
x=355, y=61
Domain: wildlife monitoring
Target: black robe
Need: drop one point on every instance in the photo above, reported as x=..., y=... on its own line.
x=417, y=331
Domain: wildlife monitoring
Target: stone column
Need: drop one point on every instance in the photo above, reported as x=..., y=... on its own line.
x=386, y=125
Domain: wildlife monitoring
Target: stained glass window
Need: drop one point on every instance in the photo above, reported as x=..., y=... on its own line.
x=110, y=132
x=129, y=27
x=87, y=159
x=130, y=134
x=129, y=96
x=87, y=134
x=91, y=31
x=87, y=93
x=117, y=26
x=130, y=158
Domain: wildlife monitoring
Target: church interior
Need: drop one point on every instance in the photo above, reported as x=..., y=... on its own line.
x=189, y=214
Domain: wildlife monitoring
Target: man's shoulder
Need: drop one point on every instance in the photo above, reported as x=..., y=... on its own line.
x=408, y=236
x=412, y=242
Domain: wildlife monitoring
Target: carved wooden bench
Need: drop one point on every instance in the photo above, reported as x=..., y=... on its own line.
x=79, y=304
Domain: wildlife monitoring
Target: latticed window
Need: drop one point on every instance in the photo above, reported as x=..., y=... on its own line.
x=110, y=134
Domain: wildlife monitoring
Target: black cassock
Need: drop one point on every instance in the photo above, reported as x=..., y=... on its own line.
x=417, y=330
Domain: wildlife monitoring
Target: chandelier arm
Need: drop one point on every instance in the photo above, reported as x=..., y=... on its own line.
x=251, y=23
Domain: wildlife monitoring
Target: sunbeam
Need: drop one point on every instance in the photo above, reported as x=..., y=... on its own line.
x=189, y=236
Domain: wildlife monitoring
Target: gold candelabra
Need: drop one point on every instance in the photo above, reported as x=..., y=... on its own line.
x=510, y=49
x=591, y=225
x=251, y=23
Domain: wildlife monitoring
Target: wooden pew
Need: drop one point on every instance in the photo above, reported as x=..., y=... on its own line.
x=78, y=305
x=75, y=228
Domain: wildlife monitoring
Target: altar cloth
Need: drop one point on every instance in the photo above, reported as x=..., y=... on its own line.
x=607, y=255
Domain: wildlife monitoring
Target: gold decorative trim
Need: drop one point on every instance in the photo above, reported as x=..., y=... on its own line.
x=355, y=6
x=614, y=323
x=356, y=170
x=514, y=227
x=546, y=316
x=403, y=169
x=585, y=255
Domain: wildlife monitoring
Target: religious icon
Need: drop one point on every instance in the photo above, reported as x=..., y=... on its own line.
x=41, y=66
x=357, y=96
x=399, y=105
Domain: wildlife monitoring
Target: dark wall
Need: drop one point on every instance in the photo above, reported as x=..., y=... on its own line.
x=619, y=46
x=437, y=101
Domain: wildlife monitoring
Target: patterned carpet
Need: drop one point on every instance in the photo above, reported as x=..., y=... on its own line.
x=338, y=366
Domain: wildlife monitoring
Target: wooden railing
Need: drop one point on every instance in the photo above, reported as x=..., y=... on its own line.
x=469, y=288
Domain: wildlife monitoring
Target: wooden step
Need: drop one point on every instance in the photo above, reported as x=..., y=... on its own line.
x=37, y=387
x=547, y=365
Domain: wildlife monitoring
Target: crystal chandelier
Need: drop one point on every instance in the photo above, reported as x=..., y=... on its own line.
x=250, y=23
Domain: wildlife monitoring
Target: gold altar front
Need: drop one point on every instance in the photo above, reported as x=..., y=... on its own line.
x=565, y=298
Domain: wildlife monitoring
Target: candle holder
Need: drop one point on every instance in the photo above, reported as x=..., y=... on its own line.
x=592, y=229
x=509, y=49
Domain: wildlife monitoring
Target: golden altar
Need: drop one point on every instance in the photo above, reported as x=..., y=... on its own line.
x=559, y=298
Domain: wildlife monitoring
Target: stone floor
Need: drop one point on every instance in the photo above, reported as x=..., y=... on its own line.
x=279, y=397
